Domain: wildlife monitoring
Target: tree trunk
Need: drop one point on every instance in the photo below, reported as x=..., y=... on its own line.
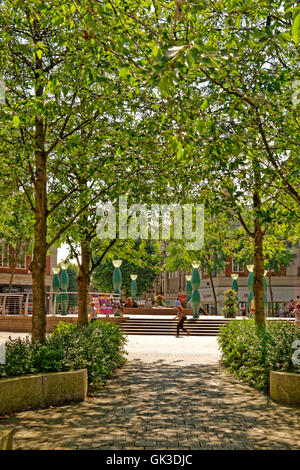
x=13, y=268
x=258, y=283
x=38, y=264
x=214, y=294
x=259, y=266
x=83, y=281
x=13, y=265
x=271, y=293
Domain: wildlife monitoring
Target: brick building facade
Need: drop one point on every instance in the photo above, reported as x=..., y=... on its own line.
x=285, y=285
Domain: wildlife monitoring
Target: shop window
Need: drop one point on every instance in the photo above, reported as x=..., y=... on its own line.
x=236, y=267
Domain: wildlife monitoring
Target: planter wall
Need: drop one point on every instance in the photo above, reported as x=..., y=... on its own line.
x=42, y=390
x=23, y=323
x=6, y=439
x=285, y=387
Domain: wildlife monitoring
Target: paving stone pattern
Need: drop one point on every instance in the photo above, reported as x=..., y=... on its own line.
x=173, y=394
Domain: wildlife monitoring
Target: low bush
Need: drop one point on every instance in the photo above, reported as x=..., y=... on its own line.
x=97, y=347
x=250, y=352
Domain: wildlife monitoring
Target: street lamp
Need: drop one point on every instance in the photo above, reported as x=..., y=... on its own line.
x=189, y=287
x=250, y=268
x=196, y=294
x=133, y=286
x=234, y=283
x=64, y=281
x=55, y=288
x=117, y=276
x=265, y=290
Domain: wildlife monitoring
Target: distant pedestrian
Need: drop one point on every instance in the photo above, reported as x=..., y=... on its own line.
x=285, y=310
x=180, y=316
x=177, y=303
x=149, y=303
x=129, y=303
x=244, y=312
x=291, y=307
x=296, y=314
x=93, y=312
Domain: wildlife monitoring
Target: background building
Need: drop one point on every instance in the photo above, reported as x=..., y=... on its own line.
x=285, y=285
x=16, y=280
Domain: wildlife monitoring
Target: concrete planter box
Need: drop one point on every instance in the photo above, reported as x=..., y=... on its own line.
x=6, y=439
x=285, y=387
x=42, y=390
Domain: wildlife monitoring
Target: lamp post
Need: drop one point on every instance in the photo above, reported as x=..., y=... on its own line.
x=64, y=281
x=235, y=286
x=234, y=282
x=250, y=268
x=196, y=294
x=189, y=287
x=55, y=288
x=133, y=286
x=265, y=291
x=117, y=276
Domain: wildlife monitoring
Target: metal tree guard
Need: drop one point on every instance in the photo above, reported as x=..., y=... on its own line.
x=196, y=294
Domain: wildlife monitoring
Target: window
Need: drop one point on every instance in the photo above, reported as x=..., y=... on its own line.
x=236, y=267
x=21, y=261
x=4, y=255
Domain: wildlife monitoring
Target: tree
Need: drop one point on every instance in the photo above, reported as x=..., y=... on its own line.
x=146, y=267
x=58, y=83
x=15, y=228
x=279, y=257
x=212, y=256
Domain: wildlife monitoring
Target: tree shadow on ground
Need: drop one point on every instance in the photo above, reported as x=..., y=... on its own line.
x=161, y=405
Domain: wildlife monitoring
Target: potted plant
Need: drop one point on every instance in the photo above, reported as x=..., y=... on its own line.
x=230, y=309
x=159, y=301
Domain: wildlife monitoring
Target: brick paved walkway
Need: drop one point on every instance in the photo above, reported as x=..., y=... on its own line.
x=172, y=395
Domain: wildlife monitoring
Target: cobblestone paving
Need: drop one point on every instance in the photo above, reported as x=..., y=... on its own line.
x=174, y=394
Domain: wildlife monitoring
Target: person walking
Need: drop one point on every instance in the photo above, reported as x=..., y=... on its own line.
x=177, y=303
x=181, y=318
x=296, y=314
x=93, y=312
x=291, y=307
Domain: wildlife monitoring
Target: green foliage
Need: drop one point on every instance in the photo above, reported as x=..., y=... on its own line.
x=250, y=352
x=98, y=347
x=146, y=267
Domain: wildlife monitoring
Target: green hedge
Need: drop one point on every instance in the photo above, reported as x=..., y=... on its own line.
x=250, y=352
x=97, y=347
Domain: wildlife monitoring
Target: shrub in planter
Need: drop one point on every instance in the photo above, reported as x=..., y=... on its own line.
x=230, y=309
x=250, y=352
x=159, y=301
x=97, y=347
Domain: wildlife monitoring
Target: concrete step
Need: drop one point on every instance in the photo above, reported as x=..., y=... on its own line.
x=162, y=326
